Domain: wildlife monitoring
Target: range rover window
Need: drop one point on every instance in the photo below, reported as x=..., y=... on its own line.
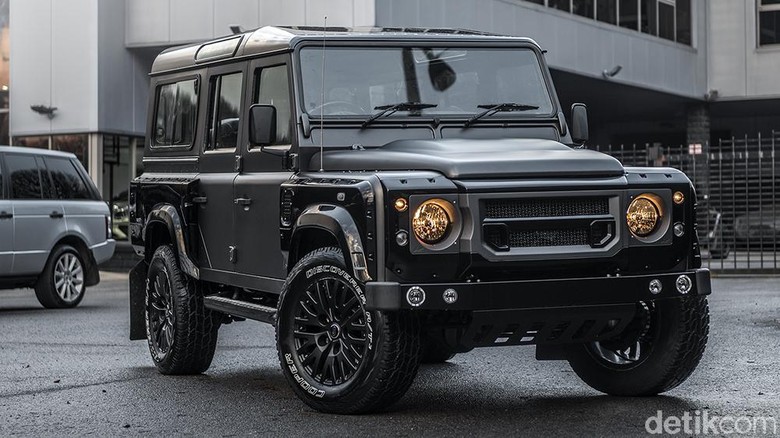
x=24, y=176
x=436, y=81
x=177, y=106
x=273, y=88
x=224, y=111
x=68, y=183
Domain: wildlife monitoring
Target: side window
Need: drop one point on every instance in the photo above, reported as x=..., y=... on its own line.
x=224, y=112
x=68, y=183
x=25, y=178
x=177, y=106
x=273, y=88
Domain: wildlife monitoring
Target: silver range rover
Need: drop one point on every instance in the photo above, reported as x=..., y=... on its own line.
x=54, y=227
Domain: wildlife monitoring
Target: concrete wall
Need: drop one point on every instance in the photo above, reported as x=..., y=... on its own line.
x=55, y=53
x=168, y=22
x=738, y=67
x=575, y=44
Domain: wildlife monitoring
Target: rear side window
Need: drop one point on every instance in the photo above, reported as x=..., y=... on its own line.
x=68, y=182
x=24, y=176
x=176, y=109
x=225, y=110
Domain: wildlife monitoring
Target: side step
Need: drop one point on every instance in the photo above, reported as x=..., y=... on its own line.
x=241, y=309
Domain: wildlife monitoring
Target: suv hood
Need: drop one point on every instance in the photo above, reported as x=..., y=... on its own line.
x=477, y=159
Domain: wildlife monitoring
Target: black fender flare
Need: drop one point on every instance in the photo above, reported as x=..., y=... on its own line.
x=337, y=221
x=167, y=215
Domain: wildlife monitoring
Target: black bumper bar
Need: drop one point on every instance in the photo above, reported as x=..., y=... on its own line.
x=536, y=294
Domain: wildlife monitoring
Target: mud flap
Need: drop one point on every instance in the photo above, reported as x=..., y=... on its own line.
x=137, y=299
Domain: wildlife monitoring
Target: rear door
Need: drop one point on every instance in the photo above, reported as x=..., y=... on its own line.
x=218, y=165
x=85, y=215
x=258, y=185
x=38, y=221
x=6, y=227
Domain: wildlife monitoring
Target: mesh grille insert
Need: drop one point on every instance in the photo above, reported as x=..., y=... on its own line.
x=556, y=207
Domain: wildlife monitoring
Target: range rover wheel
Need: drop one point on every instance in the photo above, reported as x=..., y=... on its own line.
x=61, y=284
x=656, y=354
x=337, y=356
x=181, y=332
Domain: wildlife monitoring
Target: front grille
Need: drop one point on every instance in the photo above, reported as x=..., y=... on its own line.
x=556, y=207
x=542, y=238
x=547, y=222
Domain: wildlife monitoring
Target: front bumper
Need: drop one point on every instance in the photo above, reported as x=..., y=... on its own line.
x=537, y=294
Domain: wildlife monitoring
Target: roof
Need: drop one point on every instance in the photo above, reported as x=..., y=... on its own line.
x=35, y=151
x=270, y=39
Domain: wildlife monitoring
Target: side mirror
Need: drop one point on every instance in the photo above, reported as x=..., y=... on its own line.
x=579, y=123
x=262, y=125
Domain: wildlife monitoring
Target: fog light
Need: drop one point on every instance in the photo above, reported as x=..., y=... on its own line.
x=415, y=296
x=679, y=229
x=450, y=296
x=655, y=287
x=679, y=198
x=402, y=238
x=683, y=284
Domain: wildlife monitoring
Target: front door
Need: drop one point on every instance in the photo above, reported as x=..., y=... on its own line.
x=38, y=220
x=257, y=187
x=6, y=228
x=218, y=165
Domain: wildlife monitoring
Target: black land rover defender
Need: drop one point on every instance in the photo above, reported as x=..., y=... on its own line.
x=387, y=197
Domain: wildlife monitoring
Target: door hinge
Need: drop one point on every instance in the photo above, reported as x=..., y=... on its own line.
x=232, y=254
x=238, y=164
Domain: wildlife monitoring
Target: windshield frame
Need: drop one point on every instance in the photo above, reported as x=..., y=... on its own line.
x=441, y=42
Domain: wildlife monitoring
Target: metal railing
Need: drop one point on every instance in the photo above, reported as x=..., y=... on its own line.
x=738, y=207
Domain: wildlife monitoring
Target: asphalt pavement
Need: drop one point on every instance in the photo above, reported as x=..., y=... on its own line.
x=74, y=372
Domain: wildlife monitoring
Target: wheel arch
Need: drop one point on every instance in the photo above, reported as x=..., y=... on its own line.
x=163, y=227
x=322, y=225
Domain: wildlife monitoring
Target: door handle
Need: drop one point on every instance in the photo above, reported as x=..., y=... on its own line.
x=243, y=201
x=5, y=215
x=56, y=215
x=200, y=200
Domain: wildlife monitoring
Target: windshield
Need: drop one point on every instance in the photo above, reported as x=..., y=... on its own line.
x=426, y=81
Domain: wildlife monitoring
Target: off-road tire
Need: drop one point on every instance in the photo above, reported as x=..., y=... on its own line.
x=679, y=340
x=45, y=288
x=194, y=327
x=435, y=351
x=391, y=347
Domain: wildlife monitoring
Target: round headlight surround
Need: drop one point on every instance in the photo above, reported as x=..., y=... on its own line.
x=644, y=215
x=433, y=221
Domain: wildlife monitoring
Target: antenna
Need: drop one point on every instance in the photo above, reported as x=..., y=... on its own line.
x=322, y=98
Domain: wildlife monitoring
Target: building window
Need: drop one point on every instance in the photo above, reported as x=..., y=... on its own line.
x=77, y=144
x=5, y=57
x=38, y=142
x=668, y=19
x=769, y=22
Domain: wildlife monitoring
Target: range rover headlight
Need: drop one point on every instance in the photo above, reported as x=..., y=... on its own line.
x=433, y=220
x=644, y=214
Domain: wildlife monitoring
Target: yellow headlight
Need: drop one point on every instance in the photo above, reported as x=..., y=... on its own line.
x=432, y=220
x=643, y=215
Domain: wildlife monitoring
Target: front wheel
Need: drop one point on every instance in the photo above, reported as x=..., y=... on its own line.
x=337, y=356
x=658, y=351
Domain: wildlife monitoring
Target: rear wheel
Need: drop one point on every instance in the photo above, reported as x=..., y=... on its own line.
x=659, y=352
x=181, y=332
x=337, y=356
x=61, y=284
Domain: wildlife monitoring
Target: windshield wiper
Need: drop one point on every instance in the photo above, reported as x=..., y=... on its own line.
x=395, y=107
x=492, y=108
